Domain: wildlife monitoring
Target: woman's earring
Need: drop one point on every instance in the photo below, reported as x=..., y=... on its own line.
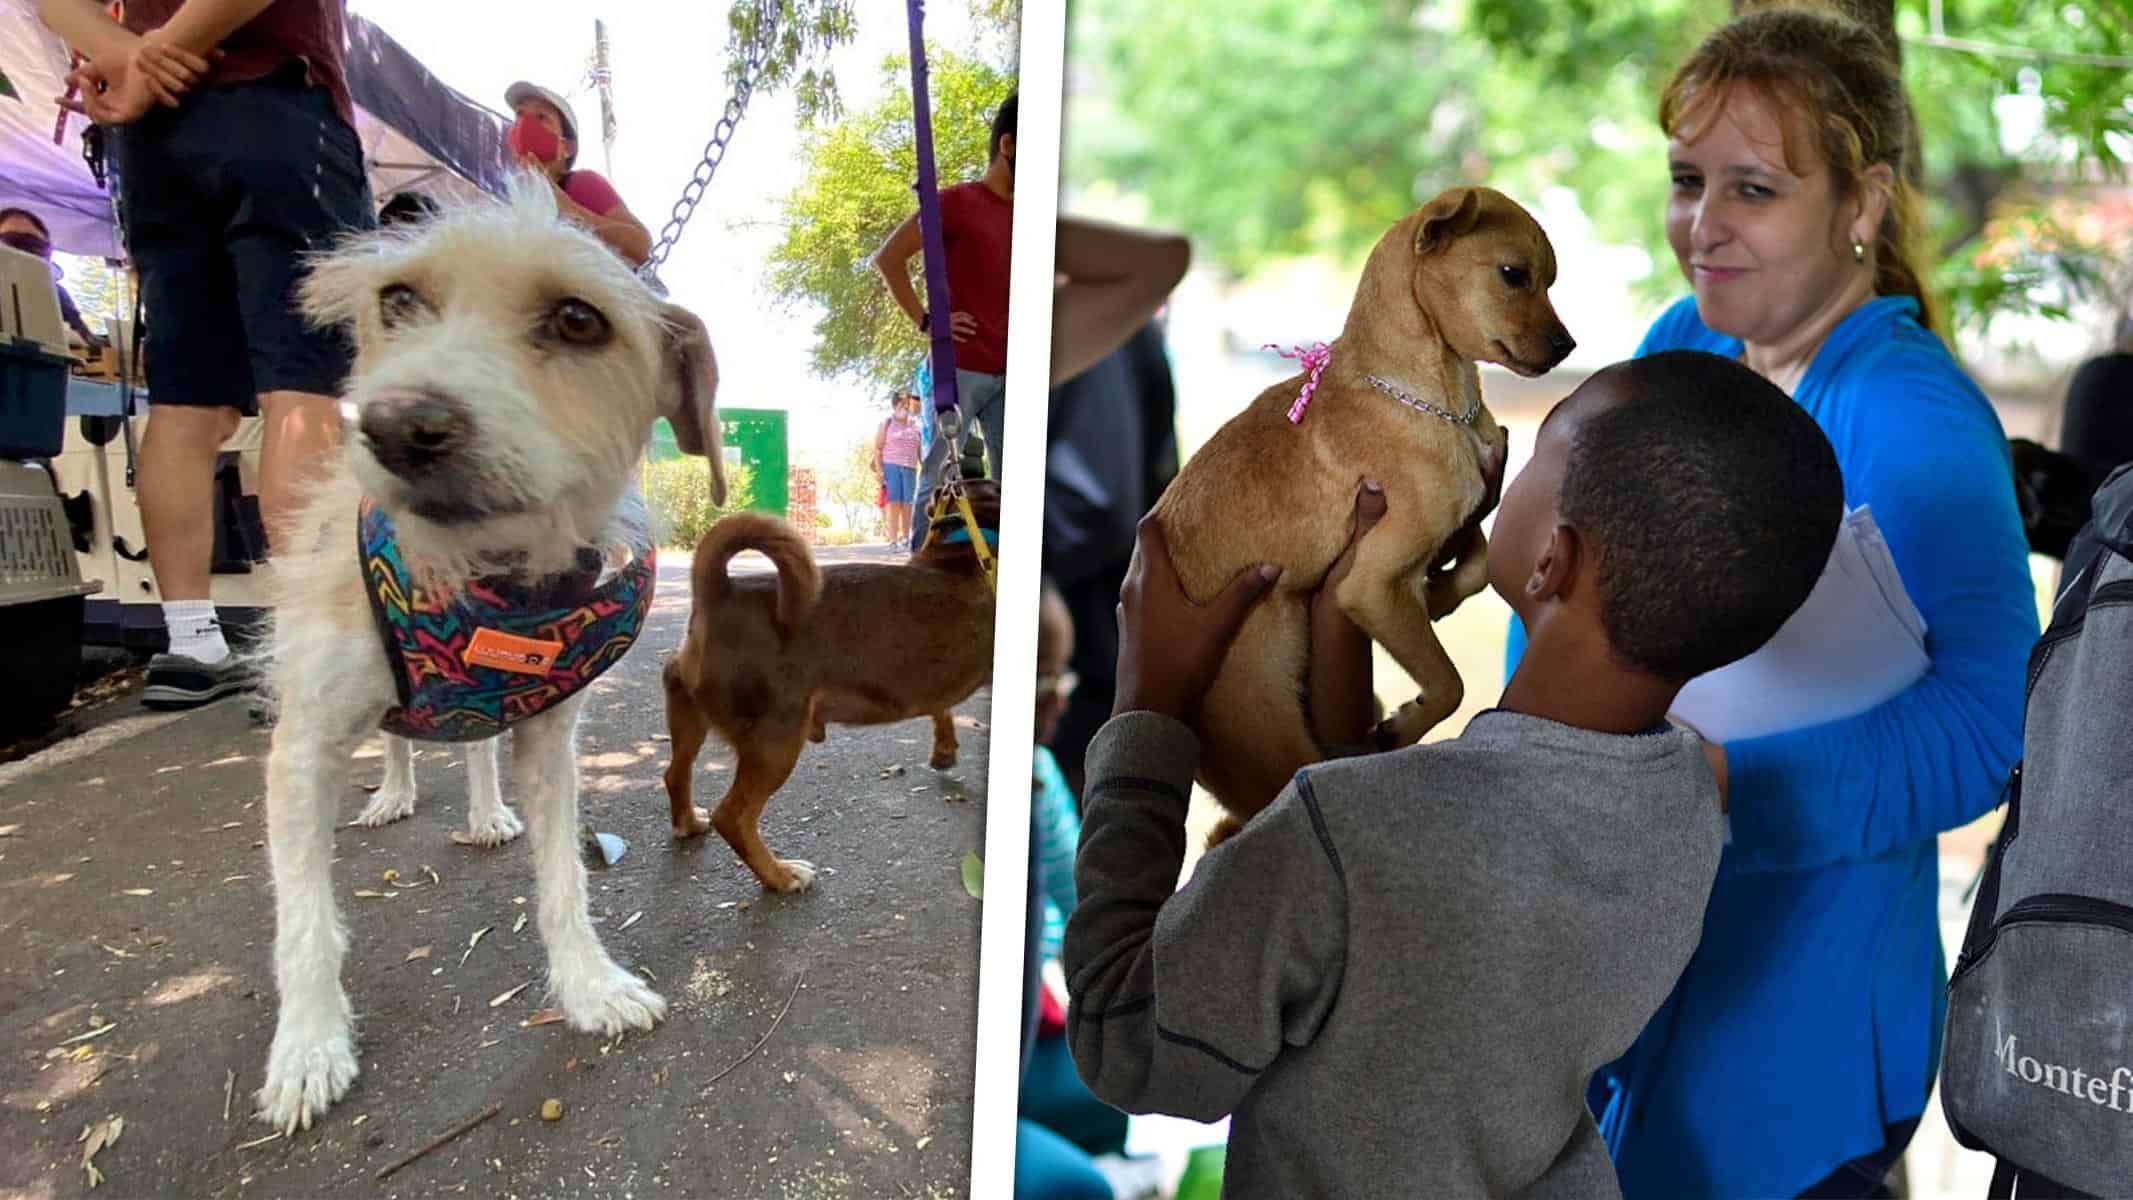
x=1858, y=251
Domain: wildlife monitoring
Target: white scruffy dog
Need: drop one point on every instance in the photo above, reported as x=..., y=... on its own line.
x=490, y=822
x=508, y=371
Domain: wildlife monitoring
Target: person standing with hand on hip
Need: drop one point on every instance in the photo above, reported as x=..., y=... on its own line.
x=977, y=232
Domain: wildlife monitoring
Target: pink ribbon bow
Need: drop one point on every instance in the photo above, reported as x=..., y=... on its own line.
x=1314, y=359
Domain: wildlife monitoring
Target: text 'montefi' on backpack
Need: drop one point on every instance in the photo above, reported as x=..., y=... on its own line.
x=2037, y=1068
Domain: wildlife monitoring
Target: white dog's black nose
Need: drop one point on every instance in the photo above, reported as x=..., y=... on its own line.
x=412, y=431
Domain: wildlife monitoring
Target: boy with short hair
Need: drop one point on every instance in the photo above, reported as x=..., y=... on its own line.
x=1400, y=976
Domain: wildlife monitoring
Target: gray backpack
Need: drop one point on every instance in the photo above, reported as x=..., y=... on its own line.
x=2037, y=1068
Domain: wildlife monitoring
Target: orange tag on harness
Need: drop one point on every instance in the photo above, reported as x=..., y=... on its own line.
x=507, y=652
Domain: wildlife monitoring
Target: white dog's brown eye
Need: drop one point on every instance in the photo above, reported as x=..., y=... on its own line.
x=1517, y=277
x=578, y=323
x=398, y=304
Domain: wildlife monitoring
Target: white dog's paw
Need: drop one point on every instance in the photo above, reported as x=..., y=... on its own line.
x=608, y=1001
x=495, y=828
x=304, y=1078
x=802, y=872
x=386, y=806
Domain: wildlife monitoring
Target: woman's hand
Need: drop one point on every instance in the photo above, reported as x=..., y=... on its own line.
x=1169, y=648
x=1342, y=700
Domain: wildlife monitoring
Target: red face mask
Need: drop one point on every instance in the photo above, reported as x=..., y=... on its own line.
x=529, y=136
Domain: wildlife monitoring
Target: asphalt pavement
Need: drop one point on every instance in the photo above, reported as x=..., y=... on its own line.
x=136, y=922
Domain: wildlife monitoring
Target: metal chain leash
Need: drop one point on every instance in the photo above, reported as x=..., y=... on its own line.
x=692, y=192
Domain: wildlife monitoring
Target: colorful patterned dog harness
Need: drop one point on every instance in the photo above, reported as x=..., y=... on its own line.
x=471, y=665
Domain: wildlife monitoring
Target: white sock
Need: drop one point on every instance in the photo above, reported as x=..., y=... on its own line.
x=194, y=631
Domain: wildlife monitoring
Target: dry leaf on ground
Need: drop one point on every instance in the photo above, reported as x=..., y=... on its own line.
x=138, y=892
x=417, y=952
x=94, y=1138
x=543, y=1016
x=506, y=997
x=634, y=918
x=475, y=941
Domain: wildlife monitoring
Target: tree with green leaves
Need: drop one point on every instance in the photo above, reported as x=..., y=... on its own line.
x=1285, y=127
x=793, y=38
x=858, y=187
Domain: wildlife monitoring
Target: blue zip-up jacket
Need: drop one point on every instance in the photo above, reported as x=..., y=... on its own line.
x=1810, y=1017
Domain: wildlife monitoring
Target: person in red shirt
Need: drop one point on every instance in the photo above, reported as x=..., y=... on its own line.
x=544, y=138
x=233, y=142
x=977, y=226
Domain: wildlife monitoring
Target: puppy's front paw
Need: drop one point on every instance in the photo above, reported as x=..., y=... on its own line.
x=304, y=1078
x=608, y=1001
x=697, y=823
x=943, y=758
x=798, y=876
x=387, y=806
x=496, y=827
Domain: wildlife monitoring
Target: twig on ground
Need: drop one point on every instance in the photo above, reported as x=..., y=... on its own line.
x=765, y=1038
x=441, y=1139
x=229, y=1091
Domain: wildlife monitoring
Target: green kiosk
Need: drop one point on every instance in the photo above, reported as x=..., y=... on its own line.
x=754, y=437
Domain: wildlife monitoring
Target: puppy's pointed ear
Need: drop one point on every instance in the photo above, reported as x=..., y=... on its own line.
x=689, y=399
x=1449, y=216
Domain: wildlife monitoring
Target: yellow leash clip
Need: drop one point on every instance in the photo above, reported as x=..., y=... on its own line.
x=954, y=494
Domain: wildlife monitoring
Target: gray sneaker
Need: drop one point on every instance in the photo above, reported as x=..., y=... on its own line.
x=176, y=681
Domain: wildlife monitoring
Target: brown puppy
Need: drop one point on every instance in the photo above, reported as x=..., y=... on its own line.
x=770, y=661
x=1463, y=279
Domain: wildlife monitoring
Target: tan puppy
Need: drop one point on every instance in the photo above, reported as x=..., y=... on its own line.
x=1463, y=279
x=508, y=370
x=770, y=661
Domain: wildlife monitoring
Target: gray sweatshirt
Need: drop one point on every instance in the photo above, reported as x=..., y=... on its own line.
x=1398, y=979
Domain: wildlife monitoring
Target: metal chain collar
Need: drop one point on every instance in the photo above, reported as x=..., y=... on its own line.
x=692, y=192
x=1420, y=405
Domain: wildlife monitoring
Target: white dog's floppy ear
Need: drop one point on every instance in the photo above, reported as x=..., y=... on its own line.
x=690, y=402
x=1448, y=216
x=339, y=282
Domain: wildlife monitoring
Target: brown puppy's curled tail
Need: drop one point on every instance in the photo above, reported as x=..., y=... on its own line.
x=799, y=579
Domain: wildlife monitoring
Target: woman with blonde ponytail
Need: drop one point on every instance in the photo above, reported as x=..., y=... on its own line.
x=1799, y=1046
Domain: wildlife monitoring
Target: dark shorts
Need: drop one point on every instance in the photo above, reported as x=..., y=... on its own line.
x=221, y=198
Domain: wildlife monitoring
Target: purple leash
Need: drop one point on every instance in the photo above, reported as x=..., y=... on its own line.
x=939, y=323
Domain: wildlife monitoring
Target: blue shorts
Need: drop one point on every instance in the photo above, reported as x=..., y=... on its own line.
x=902, y=482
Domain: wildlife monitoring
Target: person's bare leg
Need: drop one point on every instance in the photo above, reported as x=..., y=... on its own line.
x=177, y=495
x=302, y=433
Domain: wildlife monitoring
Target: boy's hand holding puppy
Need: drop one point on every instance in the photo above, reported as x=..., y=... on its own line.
x=1170, y=648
